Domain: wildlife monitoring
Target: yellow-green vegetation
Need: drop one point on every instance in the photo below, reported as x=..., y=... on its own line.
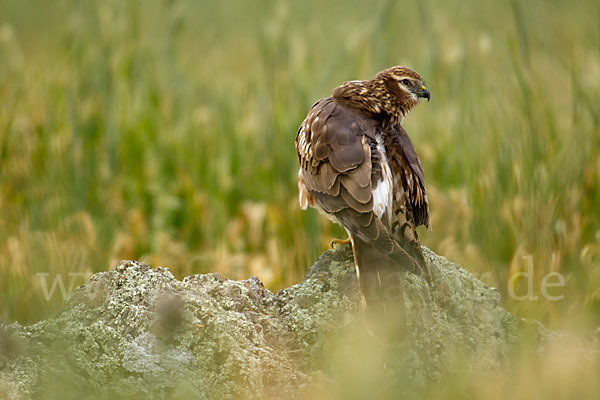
x=163, y=131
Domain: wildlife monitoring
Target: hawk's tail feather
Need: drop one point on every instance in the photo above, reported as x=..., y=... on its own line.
x=382, y=294
x=401, y=244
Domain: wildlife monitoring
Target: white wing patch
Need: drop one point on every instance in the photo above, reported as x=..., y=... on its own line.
x=383, y=195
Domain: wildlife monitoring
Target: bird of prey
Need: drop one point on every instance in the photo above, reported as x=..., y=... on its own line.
x=359, y=167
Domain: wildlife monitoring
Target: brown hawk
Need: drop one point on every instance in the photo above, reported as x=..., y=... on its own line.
x=359, y=167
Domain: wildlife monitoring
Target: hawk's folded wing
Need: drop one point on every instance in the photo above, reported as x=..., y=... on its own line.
x=406, y=159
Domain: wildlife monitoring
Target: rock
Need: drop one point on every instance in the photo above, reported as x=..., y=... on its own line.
x=138, y=332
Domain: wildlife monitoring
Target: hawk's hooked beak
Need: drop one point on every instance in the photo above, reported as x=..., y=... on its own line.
x=423, y=92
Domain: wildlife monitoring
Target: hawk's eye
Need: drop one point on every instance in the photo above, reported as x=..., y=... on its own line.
x=405, y=82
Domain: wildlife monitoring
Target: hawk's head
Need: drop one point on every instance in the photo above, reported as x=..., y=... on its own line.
x=392, y=92
x=399, y=89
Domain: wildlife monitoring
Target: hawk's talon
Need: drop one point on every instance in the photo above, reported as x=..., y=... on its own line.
x=337, y=242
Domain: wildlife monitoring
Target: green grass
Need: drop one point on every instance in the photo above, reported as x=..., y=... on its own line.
x=164, y=131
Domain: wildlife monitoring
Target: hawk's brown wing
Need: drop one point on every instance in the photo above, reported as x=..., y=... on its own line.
x=332, y=153
x=410, y=207
x=409, y=167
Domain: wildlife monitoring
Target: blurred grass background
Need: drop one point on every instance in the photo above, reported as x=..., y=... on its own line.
x=164, y=130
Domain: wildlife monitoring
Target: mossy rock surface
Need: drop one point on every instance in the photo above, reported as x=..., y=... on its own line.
x=138, y=332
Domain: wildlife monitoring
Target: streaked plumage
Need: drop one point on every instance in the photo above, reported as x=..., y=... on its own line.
x=359, y=167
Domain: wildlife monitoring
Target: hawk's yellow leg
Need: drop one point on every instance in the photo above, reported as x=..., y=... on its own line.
x=337, y=242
